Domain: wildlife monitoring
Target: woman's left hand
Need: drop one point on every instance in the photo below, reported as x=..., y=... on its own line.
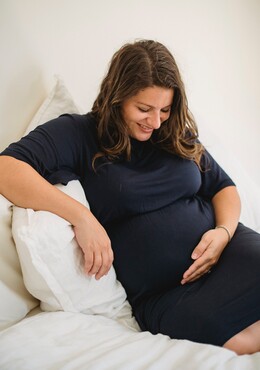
x=206, y=254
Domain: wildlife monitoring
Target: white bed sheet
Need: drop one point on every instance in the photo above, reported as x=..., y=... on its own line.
x=70, y=341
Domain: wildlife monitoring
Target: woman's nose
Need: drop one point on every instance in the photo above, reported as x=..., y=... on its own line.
x=155, y=120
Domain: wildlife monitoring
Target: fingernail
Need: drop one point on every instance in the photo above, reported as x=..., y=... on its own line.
x=194, y=256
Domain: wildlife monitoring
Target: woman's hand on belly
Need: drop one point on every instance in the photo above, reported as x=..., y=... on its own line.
x=205, y=255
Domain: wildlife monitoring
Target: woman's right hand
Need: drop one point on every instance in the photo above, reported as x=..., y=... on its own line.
x=96, y=246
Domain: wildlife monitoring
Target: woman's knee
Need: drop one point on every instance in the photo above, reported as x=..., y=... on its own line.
x=245, y=342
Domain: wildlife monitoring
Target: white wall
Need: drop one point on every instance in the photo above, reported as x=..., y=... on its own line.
x=216, y=44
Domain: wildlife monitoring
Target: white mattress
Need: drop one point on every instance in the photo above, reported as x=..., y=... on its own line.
x=69, y=341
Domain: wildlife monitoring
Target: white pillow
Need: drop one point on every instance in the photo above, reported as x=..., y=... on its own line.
x=58, y=101
x=15, y=300
x=52, y=263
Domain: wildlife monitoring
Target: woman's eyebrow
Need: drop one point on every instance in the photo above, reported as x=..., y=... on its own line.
x=151, y=106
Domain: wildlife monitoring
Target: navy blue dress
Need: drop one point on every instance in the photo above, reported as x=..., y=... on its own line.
x=155, y=209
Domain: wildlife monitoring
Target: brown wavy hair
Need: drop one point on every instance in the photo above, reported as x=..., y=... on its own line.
x=134, y=67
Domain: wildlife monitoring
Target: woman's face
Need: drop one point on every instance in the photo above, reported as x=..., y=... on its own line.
x=146, y=111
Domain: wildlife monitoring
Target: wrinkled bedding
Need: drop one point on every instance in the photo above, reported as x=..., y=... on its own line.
x=69, y=341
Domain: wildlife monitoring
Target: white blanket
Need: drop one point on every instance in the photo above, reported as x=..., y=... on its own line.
x=69, y=341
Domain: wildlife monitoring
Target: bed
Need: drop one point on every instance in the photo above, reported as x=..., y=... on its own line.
x=52, y=316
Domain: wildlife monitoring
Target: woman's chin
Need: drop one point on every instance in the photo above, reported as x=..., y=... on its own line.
x=142, y=135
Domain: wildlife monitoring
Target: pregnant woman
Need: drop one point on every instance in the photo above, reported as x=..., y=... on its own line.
x=161, y=208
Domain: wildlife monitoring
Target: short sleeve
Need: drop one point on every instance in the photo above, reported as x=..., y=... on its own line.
x=213, y=177
x=54, y=149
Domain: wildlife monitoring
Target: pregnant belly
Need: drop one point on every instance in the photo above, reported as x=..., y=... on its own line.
x=153, y=250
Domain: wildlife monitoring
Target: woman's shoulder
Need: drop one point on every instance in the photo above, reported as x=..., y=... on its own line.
x=83, y=125
x=84, y=121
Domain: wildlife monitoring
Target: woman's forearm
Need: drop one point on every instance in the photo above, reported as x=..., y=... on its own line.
x=227, y=207
x=24, y=187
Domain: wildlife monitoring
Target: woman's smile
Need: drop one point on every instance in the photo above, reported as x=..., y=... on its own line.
x=145, y=128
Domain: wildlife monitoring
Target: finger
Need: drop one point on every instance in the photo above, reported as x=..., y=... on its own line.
x=97, y=263
x=195, y=266
x=88, y=261
x=198, y=268
x=190, y=271
x=199, y=276
x=196, y=275
x=107, y=260
x=200, y=248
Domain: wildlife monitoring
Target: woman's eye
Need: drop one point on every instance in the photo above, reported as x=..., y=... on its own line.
x=146, y=110
x=143, y=110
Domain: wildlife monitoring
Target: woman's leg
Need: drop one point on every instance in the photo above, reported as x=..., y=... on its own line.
x=247, y=341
